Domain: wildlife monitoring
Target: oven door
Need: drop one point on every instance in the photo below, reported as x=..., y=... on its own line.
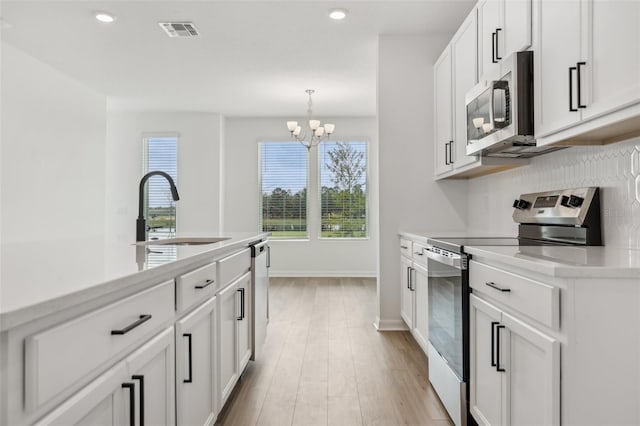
x=446, y=309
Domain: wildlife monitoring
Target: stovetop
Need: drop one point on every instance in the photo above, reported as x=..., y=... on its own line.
x=457, y=245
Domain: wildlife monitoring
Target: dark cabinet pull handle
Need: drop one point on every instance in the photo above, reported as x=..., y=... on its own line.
x=189, y=358
x=268, y=256
x=494, y=286
x=207, y=283
x=132, y=402
x=409, y=277
x=493, y=342
x=411, y=287
x=571, y=108
x=451, y=152
x=143, y=318
x=404, y=247
x=141, y=379
x=578, y=65
x=498, y=57
x=498, y=348
x=446, y=154
x=241, y=317
x=494, y=41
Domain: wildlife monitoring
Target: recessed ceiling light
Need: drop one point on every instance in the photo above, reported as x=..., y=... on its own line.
x=105, y=17
x=338, y=14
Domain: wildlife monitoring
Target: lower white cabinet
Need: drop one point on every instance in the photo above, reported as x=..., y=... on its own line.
x=414, y=302
x=406, y=295
x=136, y=391
x=195, y=366
x=234, y=344
x=421, y=318
x=515, y=369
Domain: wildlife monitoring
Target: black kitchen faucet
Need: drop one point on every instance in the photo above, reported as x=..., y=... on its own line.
x=141, y=225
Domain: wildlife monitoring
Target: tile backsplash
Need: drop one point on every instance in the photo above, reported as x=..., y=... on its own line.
x=614, y=168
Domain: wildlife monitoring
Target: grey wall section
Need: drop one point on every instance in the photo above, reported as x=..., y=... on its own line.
x=410, y=199
x=53, y=143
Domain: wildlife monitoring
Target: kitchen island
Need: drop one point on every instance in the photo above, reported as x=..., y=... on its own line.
x=156, y=332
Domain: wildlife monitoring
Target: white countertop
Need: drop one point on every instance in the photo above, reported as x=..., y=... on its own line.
x=38, y=278
x=563, y=261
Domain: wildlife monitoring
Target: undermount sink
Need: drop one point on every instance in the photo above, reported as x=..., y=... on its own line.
x=183, y=241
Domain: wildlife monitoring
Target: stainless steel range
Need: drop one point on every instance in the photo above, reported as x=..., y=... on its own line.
x=563, y=217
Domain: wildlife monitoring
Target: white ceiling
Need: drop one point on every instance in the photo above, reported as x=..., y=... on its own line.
x=253, y=58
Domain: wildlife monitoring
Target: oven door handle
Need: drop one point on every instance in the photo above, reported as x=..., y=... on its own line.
x=453, y=261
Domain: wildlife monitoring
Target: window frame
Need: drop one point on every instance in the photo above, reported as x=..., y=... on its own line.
x=319, y=190
x=307, y=236
x=146, y=136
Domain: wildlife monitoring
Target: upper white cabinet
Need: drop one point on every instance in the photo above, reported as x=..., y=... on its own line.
x=443, y=112
x=587, y=69
x=611, y=52
x=455, y=73
x=504, y=27
x=465, y=75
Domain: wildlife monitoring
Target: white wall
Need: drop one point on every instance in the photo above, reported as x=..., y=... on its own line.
x=53, y=144
x=199, y=158
x=409, y=197
x=311, y=257
x=614, y=168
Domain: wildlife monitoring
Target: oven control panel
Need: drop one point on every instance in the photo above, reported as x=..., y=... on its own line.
x=561, y=207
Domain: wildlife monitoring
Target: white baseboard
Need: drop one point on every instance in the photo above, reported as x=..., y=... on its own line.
x=390, y=325
x=321, y=274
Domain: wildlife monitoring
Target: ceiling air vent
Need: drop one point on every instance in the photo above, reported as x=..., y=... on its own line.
x=179, y=29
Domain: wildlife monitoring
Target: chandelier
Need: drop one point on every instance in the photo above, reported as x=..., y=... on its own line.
x=317, y=134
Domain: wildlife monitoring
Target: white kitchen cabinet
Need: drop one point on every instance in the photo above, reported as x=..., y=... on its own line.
x=151, y=370
x=556, y=52
x=99, y=403
x=421, y=302
x=486, y=385
x=414, y=302
x=406, y=295
x=504, y=27
x=465, y=75
x=611, y=52
x=244, y=322
x=455, y=73
x=234, y=344
x=515, y=369
x=196, y=365
x=587, y=69
x=139, y=390
x=443, y=112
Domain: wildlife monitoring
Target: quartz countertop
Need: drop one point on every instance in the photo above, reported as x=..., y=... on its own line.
x=40, y=277
x=564, y=261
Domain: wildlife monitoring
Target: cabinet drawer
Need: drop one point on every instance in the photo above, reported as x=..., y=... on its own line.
x=233, y=266
x=405, y=247
x=417, y=254
x=536, y=300
x=195, y=286
x=59, y=357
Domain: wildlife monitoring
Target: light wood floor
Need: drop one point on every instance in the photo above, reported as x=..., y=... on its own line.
x=325, y=364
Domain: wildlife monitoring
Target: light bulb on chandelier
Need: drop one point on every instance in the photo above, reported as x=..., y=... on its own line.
x=317, y=133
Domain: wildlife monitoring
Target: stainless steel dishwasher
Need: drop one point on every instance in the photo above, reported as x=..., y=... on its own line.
x=260, y=260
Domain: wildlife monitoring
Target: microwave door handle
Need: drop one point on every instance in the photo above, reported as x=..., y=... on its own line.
x=492, y=104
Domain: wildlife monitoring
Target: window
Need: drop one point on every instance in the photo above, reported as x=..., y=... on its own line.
x=343, y=189
x=160, y=153
x=283, y=185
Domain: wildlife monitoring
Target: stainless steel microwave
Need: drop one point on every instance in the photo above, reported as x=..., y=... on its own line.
x=500, y=112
